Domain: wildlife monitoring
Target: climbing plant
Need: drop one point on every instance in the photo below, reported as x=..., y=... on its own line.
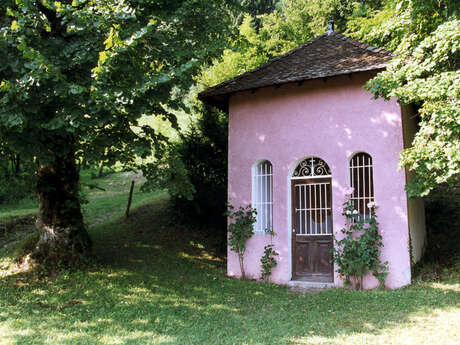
x=358, y=252
x=268, y=260
x=240, y=229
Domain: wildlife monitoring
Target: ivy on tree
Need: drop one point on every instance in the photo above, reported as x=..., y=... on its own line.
x=76, y=76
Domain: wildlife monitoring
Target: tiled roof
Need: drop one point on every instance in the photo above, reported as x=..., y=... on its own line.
x=325, y=56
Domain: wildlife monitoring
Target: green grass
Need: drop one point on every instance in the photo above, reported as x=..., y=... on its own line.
x=105, y=203
x=23, y=208
x=155, y=282
x=111, y=202
x=106, y=198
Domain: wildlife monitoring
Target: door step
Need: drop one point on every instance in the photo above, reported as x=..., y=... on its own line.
x=306, y=286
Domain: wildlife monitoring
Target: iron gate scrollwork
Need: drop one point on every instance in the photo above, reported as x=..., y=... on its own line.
x=312, y=166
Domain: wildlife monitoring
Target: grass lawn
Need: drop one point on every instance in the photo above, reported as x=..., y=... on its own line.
x=154, y=282
x=107, y=201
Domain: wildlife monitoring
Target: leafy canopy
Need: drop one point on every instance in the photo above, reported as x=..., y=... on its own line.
x=425, y=73
x=78, y=75
x=429, y=77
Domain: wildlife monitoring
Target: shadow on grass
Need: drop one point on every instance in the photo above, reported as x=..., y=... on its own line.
x=157, y=283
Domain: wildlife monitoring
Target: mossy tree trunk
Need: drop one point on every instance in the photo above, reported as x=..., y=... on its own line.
x=63, y=239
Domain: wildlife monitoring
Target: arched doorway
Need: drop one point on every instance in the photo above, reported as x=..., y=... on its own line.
x=312, y=241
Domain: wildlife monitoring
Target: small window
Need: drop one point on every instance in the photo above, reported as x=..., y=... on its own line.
x=262, y=195
x=362, y=181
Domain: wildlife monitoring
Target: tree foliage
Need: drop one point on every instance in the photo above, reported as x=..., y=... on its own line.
x=248, y=51
x=258, y=7
x=429, y=76
x=425, y=35
x=206, y=138
x=194, y=170
x=77, y=77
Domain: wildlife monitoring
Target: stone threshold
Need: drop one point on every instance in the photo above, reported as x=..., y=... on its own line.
x=308, y=286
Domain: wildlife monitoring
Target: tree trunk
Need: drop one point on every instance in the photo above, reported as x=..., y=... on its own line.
x=63, y=239
x=241, y=260
x=17, y=167
x=101, y=170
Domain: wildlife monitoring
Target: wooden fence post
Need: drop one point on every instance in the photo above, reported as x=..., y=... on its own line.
x=129, y=199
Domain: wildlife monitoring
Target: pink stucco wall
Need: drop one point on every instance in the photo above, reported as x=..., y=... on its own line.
x=332, y=120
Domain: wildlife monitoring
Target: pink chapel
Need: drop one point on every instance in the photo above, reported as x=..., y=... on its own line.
x=303, y=132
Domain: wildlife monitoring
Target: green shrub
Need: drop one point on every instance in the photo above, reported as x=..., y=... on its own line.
x=194, y=171
x=16, y=188
x=203, y=151
x=358, y=252
x=442, y=209
x=268, y=260
x=17, y=176
x=240, y=229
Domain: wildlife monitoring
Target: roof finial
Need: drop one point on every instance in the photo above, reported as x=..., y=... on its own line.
x=330, y=28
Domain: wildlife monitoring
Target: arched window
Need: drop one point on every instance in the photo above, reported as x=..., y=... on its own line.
x=362, y=181
x=262, y=195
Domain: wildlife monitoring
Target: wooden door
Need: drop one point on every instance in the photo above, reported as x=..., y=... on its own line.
x=312, y=229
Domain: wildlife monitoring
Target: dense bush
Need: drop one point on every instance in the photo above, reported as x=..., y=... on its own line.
x=194, y=171
x=442, y=209
x=203, y=151
x=16, y=188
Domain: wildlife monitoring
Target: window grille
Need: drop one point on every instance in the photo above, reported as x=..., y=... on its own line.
x=262, y=195
x=313, y=208
x=313, y=202
x=362, y=181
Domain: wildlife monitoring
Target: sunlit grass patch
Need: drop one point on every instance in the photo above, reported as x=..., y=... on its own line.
x=437, y=327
